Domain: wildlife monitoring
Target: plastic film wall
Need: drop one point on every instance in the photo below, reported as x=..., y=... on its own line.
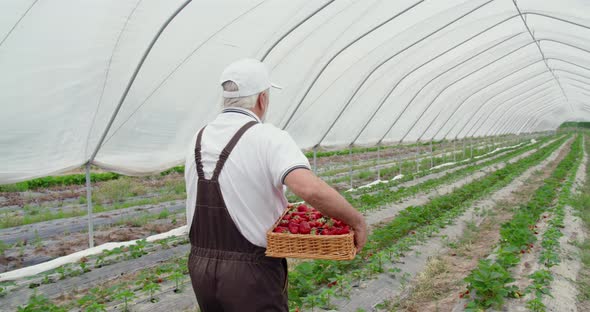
x=359, y=72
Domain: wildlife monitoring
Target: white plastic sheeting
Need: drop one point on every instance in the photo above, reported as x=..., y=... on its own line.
x=77, y=256
x=353, y=71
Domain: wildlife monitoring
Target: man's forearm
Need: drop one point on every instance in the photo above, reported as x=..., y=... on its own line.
x=331, y=203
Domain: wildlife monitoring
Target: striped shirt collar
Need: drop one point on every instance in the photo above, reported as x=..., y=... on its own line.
x=242, y=111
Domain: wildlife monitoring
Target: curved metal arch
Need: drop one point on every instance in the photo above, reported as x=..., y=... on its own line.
x=287, y=33
x=500, y=118
x=537, y=117
x=450, y=85
x=547, y=58
x=500, y=122
x=538, y=44
x=519, y=121
x=572, y=73
x=18, y=22
x=510, y=120
x=524, y=12
x=531, y=12
x=494, y=110
x=384, y=99
x=441, y=74
x=134, y=75
x=467, y=98
x=362, y=83
x=491, y=98
x=563, y=43
x=339, y=52
x=516, y=104
x=579, y=87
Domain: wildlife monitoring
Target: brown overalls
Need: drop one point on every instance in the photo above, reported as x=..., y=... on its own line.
x=228, y=273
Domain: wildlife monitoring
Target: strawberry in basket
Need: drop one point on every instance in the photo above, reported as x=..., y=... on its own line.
x=303, y=219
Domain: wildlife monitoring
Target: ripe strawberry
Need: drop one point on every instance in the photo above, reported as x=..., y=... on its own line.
x=304, y=228
x=345, y=230
x=287, y=217
x=160, y=280
x=293, y=228
x=332, y=284
x=281, y=229
x=302, y=208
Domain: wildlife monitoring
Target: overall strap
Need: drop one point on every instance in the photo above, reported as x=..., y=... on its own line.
x=229, y=147
x=198, y=155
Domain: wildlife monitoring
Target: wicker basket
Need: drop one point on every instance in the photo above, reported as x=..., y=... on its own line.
x=330, y=247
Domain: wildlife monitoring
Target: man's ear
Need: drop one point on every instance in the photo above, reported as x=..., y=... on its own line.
x=261, y=102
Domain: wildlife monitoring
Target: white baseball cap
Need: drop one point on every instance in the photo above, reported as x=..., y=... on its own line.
x=250, y=75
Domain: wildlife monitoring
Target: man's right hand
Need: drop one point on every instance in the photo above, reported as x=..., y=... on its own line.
x=360, y=235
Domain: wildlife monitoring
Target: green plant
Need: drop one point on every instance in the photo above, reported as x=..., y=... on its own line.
x=490, y=282
x=40, y=303
x=151, y=288
x=3, y=247
x=138, y=249
x=125, y=295
x=176, y=276
x=164, y=214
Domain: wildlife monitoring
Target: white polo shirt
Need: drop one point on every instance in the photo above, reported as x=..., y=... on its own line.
x=253, y=176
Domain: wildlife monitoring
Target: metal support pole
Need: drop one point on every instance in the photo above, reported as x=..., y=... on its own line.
x=399, y=156
x=454, y=150
x=416, y=159
x=471, y=146
x=431, y=155
x=315, y=158
x=89, y=202
x=464, y=152
x=350, y=155
x=378, y=161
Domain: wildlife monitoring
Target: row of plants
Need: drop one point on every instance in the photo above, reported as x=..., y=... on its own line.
x=508, y=154
x=149, y=281
x=90, y=263
x=314, y=283
x=581, y=204
x=371, y=201
x=490, y=282
x=549, y=255
x=49, y=181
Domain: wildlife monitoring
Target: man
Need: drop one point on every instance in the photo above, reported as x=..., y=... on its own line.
x=235, y=173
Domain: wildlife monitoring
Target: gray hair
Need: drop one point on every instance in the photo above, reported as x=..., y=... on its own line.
x=247, y=102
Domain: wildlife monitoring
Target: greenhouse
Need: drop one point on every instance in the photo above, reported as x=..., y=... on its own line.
x=457, y=129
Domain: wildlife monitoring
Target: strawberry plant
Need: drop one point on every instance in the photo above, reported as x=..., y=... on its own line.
x=40, y=303
x=125, y=295
x=151, y=288
x=176, y=276
x=490, y=282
